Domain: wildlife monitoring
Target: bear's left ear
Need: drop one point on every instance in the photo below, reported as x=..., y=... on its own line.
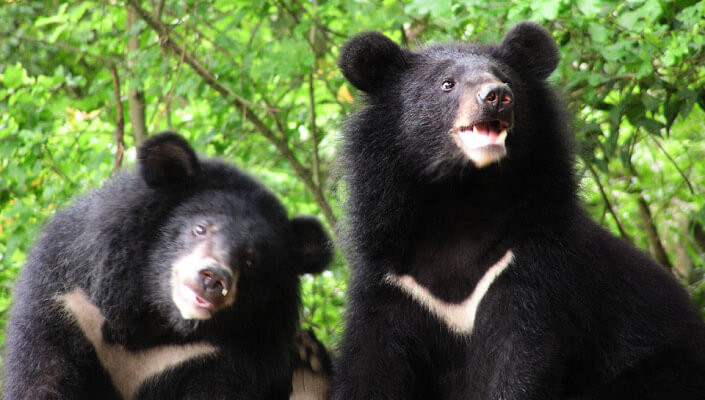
x=529, y=48
x=312, y=244
x=167, y=160
x=370, y=60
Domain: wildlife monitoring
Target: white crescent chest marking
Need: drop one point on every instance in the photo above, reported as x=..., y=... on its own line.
x=460, y=318
x=128, y=370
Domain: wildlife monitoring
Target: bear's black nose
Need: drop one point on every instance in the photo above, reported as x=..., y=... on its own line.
x=495, y=97
x=216, y=280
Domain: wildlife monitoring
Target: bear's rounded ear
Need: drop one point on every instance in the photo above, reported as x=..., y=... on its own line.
x=369, y=59
x=166, y=160
x=529, y=48
x=312, y=244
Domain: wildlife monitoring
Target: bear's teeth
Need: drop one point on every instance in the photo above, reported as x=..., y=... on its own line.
x=480, y=129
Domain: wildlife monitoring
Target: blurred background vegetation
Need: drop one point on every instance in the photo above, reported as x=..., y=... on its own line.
x=255, y=82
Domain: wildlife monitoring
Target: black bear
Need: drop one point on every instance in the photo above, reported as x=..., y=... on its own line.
x=195, y=268
x=476, y=273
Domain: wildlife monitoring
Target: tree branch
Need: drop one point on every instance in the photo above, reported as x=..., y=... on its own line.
x=675, y=164
x=109, y=59
x=606, y=199
x=120, y=124
x=312, y=102
x=160, y=9
x=314, y=130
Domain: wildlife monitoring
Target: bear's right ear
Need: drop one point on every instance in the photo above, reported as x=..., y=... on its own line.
x=312, y=244
x=167, y=160
x=530, y=48
x=370, y=59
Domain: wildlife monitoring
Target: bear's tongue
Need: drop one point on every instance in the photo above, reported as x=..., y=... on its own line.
x=483, y=134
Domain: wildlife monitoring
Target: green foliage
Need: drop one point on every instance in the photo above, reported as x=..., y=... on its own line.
x=256, y=83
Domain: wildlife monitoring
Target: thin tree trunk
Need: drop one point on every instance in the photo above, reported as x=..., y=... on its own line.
x=655, y=243
x=120, y=124
x=135, y=96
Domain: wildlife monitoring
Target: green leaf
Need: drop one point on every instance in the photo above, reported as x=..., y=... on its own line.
x=438, y=9
x=613, y=52
x=645, y=69
x=629, y=20
x=58, y=17
x=701, y=99
x=14, y=76
x=598, y=32
x=651, y=126
x=689, y=97
x=670, y=109
x=546, y=9
x=589, y=8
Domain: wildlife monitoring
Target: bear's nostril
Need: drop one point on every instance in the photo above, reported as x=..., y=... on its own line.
x=495, y=95
x=507, y=98
x=216, y=280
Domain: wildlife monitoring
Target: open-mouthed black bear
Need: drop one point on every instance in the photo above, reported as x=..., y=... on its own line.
x=178, y=280
x=476, y=273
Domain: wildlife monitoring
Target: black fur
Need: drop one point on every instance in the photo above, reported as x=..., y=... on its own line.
x=578, y=314
x=117, y=244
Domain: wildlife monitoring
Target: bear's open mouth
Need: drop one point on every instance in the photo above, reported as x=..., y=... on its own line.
x=482, y=142
x=190, y=303
x=490, y=133
x=201, y=302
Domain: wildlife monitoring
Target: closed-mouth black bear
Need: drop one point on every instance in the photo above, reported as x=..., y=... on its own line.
x=476, y=273
x=193, y=265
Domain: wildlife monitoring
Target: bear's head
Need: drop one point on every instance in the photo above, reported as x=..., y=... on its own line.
x=449, y=105
x=224, y=249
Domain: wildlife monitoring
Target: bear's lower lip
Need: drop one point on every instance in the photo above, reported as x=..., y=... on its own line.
x=198, y=301
x=191, y=305
x=201, y=302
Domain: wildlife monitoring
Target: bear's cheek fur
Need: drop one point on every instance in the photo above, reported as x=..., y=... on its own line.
x=201, y=284
x=424, y=138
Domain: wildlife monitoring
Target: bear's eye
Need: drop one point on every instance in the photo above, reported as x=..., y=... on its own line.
x=199, y=230
x=447, y=85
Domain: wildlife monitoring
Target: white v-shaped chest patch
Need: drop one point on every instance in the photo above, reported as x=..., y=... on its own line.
x=128, y=370
x=460, y=318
